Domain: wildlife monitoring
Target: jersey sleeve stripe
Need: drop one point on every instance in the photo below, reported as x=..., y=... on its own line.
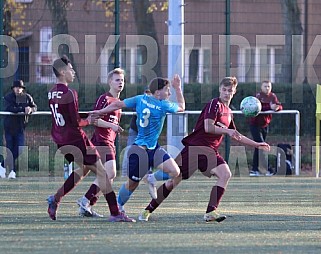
x=101, y=97
x=211, y=105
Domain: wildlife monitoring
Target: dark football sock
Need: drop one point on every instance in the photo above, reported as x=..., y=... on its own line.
x=92, y=194
x=215, y=198
x=94, y=200
x=162, y=194
x=68, y=185
x=112, y=203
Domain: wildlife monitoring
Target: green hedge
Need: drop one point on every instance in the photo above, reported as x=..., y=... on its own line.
x=292, y=96
x=296, y=97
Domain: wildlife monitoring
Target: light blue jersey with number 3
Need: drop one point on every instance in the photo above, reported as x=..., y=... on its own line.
x=151, y=114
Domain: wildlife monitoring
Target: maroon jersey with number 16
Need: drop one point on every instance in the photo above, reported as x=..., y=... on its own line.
x=63, y=103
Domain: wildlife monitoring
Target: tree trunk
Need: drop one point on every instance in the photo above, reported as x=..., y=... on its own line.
x=291, y=26
x=58, y=10
x=146, y=26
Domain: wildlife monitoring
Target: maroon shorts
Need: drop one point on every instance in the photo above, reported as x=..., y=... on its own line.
x=107, y=152
x=192, y=158
x=81, y=152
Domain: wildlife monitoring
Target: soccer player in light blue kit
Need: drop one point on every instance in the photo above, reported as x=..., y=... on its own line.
x=146, y=153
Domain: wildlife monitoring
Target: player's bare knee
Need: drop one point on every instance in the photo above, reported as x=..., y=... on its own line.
x=228, y=175
x=174, y=173
x=222, y=172
x=131, y=185
x=110, y=168
x=111, y=176
x=169, y=184
x=177, y=180
x=225, y=175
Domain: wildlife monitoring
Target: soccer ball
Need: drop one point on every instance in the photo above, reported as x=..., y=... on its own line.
x=250, y=106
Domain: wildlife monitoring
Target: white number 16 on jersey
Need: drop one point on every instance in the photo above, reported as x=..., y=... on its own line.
x=60, y=121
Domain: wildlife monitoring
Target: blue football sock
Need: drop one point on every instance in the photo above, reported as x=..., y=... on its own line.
x=160, y=175
x=123, y=195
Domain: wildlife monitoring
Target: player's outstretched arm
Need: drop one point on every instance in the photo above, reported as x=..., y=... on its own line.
x=177, y=85
x=110, y=108
x=214, y=128
x=262, y=145
x=104, y=124
x=82, y=122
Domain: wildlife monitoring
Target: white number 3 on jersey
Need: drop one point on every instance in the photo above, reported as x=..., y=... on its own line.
x=144, y=121
x=60, y=121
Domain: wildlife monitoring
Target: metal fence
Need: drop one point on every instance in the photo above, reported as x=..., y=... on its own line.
x=40, y=155
x=253, y=40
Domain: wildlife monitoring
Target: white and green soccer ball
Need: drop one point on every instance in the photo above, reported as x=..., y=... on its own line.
x=250, y=106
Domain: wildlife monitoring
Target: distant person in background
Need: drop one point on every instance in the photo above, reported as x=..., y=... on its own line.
x=259, y=125
x=17, y=101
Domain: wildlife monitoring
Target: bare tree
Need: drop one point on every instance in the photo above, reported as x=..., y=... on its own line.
x=146, y=26
x=58, y=10
x=143, y=14
x=291, y=26
x=13, y=27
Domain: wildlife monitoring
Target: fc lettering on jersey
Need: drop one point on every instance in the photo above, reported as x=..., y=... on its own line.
x=55, y=94
x=150, y=105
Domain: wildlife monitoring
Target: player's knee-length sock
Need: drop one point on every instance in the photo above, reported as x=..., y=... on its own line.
x=68, y=185
x=123, y=195
x=92, y=194
x=94, y=200
x=160, y=175
x=215, y=198
x=162, y=194
x=112, y=203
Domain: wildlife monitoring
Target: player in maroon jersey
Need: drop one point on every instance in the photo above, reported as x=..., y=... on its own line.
x=73, y=143
x=104, y=139
x=201, y=151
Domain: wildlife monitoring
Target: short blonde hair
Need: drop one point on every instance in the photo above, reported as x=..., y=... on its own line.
x=115, y=71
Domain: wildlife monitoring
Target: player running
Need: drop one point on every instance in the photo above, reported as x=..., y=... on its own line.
x=73, y=143
x=146, y=153
x=201, y=151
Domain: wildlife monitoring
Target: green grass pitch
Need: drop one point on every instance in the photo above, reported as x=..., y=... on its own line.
x=264, y=215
